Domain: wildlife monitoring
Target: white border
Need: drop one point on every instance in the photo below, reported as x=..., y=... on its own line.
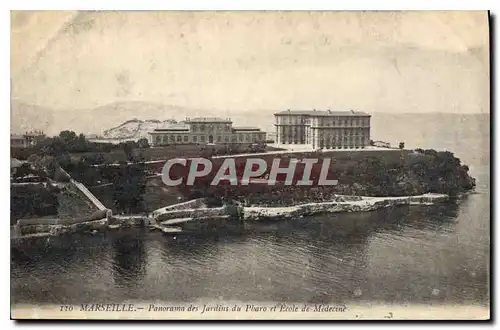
x=254, y=5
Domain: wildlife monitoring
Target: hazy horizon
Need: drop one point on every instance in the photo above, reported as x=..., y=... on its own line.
x=52, y=123
x=277, y=110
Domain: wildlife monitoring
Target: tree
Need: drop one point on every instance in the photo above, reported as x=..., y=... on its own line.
x=68, y=137
x=97, y=158
x=80, y=144
x=127, y=148
x=143, y=143
x=54, y=146
x=129, y=188
x=44, y=165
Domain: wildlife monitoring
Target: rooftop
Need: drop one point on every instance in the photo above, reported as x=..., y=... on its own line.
x=245, y=128
x=209, y=120
x=322, y=113
x=175, y=126
x=170, y=130
x=14, y=162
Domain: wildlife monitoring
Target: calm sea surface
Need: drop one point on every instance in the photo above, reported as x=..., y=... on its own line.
x=415, y=254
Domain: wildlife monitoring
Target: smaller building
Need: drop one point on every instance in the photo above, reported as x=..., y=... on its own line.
x=14, y=165
x=206, y=130
x=26, y=140
x=18, y=141
x=24, y=172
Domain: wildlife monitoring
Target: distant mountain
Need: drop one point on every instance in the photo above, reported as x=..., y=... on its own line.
x=135, y=128
x=110, y=120
x=26, y=117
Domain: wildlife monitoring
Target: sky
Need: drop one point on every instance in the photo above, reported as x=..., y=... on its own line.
x=247, y=61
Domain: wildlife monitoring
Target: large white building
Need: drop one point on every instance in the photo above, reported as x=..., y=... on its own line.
x=323, y=129
x=205, y=130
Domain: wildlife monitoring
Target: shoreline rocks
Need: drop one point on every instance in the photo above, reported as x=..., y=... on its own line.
x=45, y=227
x=365, y=204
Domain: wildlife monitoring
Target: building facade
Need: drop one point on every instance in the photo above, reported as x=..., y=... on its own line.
x=26, y=140
x=206, y=130
x=323, y=129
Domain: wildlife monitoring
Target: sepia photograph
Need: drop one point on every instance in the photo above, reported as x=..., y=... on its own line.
x=250, y=165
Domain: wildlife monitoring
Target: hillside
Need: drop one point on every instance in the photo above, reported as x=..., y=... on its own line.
x=25, y=117
x=135, y=128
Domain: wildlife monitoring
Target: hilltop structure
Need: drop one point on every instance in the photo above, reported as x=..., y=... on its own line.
x=206, y=130
x=323, y=129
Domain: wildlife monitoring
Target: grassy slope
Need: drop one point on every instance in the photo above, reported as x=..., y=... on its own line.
x=73, y=203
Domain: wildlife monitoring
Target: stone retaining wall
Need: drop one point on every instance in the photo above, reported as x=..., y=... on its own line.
x=361, y=205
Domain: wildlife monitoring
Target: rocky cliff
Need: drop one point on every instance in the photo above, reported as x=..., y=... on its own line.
x=135, y=128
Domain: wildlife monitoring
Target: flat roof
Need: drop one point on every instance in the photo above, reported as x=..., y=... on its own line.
x=160, y=130
x=246, y=128
x=209, y=120
x=322, y=113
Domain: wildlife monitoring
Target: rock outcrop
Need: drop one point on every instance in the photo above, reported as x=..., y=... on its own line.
x=363, y=204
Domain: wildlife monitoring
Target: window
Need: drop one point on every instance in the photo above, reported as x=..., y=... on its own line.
x=179, y=138
x=219, y=138
x=165, y=139
x=226, y=138
x=202, y=128
x=186, y=138
x=172, y=138
x=195, y=138
x=248, y=137
x=194, y=127
x=241, y=137
x=227, y=128
x=202, y=138
x=158, y=139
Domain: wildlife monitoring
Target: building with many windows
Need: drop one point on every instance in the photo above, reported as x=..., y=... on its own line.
x=206, y=130
x=323, y=129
